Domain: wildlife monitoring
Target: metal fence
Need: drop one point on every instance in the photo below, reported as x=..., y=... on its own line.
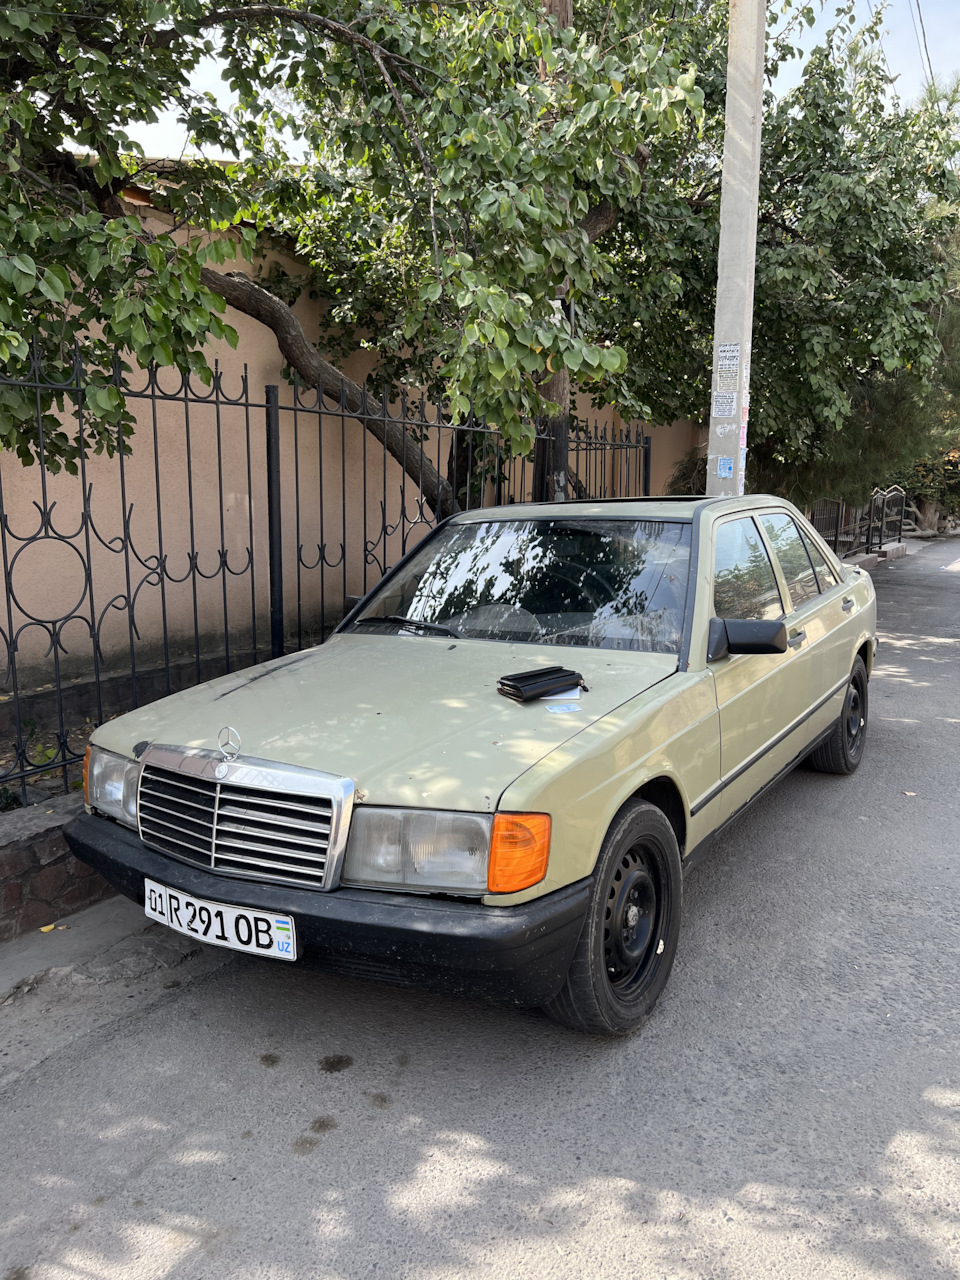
x=852, y=530
x=231, y=528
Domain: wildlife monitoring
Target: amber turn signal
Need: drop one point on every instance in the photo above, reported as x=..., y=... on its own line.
x=519, y=851
x=86, y=776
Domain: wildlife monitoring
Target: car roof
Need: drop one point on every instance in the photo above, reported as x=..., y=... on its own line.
x=658, y=508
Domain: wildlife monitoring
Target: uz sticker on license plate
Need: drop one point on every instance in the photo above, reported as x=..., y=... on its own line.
x=261, y=933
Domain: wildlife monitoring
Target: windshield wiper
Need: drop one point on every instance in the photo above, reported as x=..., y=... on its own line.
x=439, y=628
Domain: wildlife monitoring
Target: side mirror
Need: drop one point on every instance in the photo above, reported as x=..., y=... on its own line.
x=728, y=636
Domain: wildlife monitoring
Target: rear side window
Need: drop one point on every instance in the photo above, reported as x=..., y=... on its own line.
x=744, y=585
x=825, y=575
x=790, y=551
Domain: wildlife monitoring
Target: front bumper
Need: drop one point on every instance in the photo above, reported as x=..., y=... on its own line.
x=519, y=954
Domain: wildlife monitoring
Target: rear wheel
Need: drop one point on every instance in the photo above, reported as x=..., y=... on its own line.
x=843, y=750
x=629, y=938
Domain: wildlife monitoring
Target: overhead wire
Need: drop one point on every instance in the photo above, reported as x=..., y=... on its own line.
x=933, y=78
x=925, y=63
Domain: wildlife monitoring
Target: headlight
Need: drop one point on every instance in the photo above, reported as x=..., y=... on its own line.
x=110, y=785
x=436, y=851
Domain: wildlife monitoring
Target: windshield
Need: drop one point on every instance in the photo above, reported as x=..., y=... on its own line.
x=607, y=584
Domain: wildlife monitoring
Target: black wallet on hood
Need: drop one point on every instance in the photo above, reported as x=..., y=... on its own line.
x=526, y=686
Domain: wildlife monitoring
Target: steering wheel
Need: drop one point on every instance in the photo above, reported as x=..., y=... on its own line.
x=592, y=598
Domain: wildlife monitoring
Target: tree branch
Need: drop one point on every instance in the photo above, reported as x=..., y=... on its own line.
x=240, y=292
x=603, y=217
x=335, y=30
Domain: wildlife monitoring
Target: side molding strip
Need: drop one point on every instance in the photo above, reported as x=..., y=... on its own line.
x=757, y=756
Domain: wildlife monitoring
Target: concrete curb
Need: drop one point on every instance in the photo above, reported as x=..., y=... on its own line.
x=40, y=879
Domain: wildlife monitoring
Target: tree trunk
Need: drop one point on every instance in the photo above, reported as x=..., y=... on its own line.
x=562, y=10
x=240, y=292
x=556, y=436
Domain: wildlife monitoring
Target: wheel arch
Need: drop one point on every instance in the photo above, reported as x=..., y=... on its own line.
x=664, y=793
x=866, y=652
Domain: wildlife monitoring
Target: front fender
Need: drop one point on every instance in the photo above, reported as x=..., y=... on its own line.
x=671, y=731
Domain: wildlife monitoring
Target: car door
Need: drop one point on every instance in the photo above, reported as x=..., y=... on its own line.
x=841, y=605
x=817, y=627
x=755, y=692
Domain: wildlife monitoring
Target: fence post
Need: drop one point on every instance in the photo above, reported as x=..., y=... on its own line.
x=836, y=534
x=274, y=521
x=870, y=522
x=645, y=453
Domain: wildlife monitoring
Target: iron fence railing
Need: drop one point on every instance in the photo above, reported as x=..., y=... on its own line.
x=855, y=530
x=234, y=526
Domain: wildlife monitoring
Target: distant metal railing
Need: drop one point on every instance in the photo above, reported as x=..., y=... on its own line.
x=232, y=528
x=857, y=530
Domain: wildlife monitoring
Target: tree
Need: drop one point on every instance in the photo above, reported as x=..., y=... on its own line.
x=857, y=199
x=475, y=151
x=498, y=203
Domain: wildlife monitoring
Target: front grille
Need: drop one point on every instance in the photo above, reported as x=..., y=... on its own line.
x=236, y=829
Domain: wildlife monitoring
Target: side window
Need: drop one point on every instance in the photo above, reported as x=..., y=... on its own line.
x=792, y=554
x=744, y=585
x=825, y=575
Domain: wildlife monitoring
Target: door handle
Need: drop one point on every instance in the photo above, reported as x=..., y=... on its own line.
x=848, y=603
x=796, y=638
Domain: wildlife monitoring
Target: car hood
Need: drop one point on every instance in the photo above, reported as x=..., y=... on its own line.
x=413, y=720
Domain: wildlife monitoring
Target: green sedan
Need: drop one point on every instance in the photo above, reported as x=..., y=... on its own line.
x=493, y=777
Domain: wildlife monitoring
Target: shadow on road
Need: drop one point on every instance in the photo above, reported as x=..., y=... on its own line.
x=791, y=1110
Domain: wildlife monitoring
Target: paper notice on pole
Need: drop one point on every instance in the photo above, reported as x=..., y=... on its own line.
x=745, y=414
x=728, y=356
x=728, y=380
x=724, y=404
x=725, y=468
x=743, y=434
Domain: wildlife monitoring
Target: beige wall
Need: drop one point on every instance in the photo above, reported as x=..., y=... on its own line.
x=671, y=443
x=206, y=461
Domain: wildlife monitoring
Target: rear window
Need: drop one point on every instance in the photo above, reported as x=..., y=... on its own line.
x=608, y=584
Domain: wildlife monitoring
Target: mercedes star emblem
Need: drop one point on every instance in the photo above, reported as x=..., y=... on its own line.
x=228, y=741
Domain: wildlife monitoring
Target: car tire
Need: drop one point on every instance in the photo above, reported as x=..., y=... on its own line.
x=630, y=933
x=843, y=750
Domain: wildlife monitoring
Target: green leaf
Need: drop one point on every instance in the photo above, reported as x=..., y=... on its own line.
x=51, y=287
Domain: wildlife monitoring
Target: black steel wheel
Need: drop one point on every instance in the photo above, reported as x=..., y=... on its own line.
x=629, y=938
x=843, y=750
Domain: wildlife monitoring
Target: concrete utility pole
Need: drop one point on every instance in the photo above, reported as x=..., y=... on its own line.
x=733, y=324
x=557, y=388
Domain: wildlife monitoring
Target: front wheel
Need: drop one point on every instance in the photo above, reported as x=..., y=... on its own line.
x=630, y=934
x=843, y=750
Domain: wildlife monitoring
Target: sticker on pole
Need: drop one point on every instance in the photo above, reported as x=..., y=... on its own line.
x=728, y=355
x=725, y=468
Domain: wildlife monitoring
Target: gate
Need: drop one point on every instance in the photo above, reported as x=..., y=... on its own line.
x=865, y=529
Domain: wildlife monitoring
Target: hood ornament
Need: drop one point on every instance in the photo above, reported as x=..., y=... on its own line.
x=228, y=740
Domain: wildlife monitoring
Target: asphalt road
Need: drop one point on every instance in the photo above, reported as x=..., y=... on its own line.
x=792, y=1110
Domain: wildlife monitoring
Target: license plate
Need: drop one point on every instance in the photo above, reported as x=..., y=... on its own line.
x=260, y=933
